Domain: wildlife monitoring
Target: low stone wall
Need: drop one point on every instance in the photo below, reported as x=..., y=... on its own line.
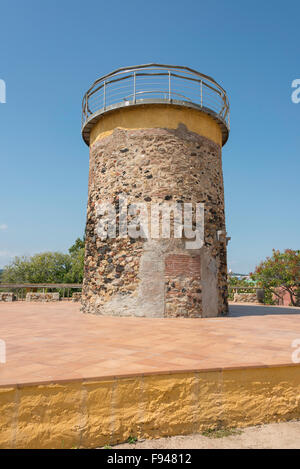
x=7, y=296
x=46, y=297
x=76, y=296
x=245, y=298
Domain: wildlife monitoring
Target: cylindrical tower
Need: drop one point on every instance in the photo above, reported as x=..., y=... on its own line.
x=155, y=134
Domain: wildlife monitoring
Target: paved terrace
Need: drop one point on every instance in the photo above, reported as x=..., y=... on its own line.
x=55, y=342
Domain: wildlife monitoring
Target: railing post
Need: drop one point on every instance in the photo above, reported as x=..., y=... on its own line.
x=86, y=106
x=134, y=87
x=201, y=93
x=169, y=86
x=104, y=95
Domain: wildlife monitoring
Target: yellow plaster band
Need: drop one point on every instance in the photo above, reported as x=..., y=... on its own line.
x=157, y=116
x=97, y=413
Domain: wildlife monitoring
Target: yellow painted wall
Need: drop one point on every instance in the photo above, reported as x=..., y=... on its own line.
x=91, y=414
x=155, y=116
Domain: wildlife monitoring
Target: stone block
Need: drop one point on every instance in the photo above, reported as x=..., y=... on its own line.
x=7, y=297
x=76, y=296
x=45, y=297
x=245, y=298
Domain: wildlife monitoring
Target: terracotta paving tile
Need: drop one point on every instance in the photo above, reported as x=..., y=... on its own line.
x=55, y=342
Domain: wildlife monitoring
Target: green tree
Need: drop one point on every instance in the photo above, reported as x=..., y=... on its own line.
x=47, y=267
x=78, y=246
x=282, y=270
x=75, y=274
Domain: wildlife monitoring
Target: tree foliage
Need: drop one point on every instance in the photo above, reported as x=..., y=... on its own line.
x=281, y=270
x=47, y=267
x=76, y=253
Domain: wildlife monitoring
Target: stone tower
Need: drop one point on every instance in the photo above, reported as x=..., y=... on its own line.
x=155, y=134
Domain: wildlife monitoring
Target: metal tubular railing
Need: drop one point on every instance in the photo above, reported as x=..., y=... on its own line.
x=169, y=83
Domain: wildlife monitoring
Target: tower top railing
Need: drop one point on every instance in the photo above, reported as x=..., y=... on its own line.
x=155, y=83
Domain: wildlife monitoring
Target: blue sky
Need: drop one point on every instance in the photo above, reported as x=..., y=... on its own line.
x=52, y=51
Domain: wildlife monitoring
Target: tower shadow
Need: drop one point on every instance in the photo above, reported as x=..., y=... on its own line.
x=257, y=310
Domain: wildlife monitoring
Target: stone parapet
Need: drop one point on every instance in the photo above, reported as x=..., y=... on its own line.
x=45, y=297
x=7, y=296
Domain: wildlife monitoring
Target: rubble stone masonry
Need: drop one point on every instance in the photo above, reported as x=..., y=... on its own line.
x=245, y=298
x=45, y=297
x=156, y=277
x=7, y=296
